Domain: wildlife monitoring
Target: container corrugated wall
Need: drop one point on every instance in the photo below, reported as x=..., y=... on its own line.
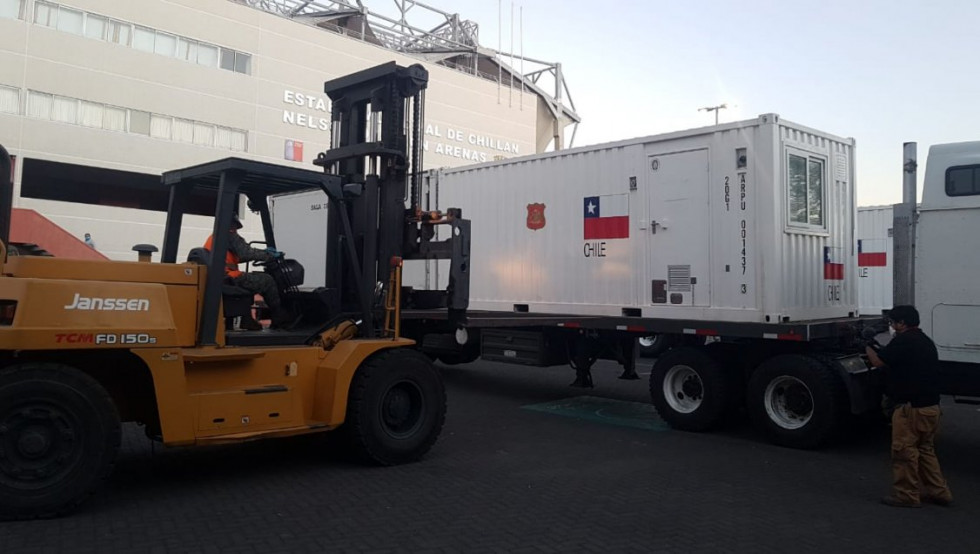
x=875, y=269
x=516, y=265
x=818, y=273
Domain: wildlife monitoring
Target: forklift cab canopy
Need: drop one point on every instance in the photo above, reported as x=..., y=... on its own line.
x=223, y=181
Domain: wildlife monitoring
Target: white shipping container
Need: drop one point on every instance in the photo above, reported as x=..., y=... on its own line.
x=748, y=221
x=875, y=270
x=300, y=223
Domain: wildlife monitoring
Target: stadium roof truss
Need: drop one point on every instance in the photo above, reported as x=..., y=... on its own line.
x=434, y=36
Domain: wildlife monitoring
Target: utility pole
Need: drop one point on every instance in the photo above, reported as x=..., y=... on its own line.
x=715, y=109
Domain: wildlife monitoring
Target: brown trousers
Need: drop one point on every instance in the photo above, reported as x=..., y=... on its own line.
x=914, y=463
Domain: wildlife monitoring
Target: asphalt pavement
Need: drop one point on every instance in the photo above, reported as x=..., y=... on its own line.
x=525, y=464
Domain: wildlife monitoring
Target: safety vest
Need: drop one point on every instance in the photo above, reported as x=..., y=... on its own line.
x=231, y=260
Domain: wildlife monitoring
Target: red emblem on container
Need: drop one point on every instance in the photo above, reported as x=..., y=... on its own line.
x=535, y=216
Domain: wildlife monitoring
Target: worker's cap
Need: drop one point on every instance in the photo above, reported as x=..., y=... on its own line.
x=236, y=223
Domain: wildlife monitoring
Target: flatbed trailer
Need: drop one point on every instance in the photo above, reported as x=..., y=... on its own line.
x=800, y=381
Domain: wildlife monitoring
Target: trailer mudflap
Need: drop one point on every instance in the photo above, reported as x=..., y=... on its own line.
x=863, y=388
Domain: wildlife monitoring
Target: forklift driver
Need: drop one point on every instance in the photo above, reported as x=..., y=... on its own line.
x=261, y=283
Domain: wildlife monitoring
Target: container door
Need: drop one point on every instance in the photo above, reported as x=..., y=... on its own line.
x=679, y=229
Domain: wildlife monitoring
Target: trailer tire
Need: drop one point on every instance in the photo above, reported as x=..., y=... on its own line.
x=690, y=389
x=654, y=345
x=797, y=400
x=396, y=408
x=59, y=435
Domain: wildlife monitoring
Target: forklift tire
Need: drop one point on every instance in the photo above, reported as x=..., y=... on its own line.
x=797, y=400
x=691, y=389
x=59, y=436
x=396, y=408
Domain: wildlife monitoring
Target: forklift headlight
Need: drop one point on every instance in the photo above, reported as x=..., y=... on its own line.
x=8, y=308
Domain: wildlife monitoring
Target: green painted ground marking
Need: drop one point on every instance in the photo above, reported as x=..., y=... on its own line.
x=604, y=410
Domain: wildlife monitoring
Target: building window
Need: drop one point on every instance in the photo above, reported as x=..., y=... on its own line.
x=963, y=181
x=139, y=122
x=114, y=119
x=806, y=189
x=39, y=105
x=12, y=9
x=243, y=63
x=165, y=45
x=70, y=21
x=96, y=26
x=91, y=114
x=45, y=14
x=207, y=55
x=63, y=109
x=183, y=130
x=120, y=32
x=9, y=100
x=143, y=38
x=161, y=126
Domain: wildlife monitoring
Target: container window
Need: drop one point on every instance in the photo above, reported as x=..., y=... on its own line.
x=806, y=177
x=963, y=181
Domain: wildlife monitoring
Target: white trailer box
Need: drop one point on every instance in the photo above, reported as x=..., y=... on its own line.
x=749, y=221
x=875, y=270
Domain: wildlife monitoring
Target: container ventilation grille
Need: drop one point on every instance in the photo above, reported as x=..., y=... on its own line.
x=679, y=278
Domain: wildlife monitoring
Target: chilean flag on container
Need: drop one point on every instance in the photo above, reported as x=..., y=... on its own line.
x=872, y=253
x=833, y=263
x=607, y=217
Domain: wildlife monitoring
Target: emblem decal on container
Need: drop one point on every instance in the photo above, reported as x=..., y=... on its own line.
x=535, y=216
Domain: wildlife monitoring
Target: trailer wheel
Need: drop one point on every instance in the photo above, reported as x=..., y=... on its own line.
x=797, y=400
x=654, y=345
x=396, y=407
x=690, y=389
x=59, y=436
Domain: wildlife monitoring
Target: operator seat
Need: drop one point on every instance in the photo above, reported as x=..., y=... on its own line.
x=236, y=301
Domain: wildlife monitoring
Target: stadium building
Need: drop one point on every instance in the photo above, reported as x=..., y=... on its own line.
x=99, y=97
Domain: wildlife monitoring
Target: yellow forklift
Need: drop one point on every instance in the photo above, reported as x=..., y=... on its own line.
x=86, y=345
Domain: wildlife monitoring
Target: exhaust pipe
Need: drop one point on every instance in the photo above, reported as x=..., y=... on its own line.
x=903, y=231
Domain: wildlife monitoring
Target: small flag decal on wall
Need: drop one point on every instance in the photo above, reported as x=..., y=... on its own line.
x=872, y=253
x=833, y=263
x=294, y=150
x=607, y=217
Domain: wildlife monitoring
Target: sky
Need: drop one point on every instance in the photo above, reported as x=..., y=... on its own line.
x=881, y=72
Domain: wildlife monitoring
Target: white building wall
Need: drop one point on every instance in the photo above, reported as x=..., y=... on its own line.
x=468, y=118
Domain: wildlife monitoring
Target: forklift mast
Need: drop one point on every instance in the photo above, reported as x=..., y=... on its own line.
x=375, y=214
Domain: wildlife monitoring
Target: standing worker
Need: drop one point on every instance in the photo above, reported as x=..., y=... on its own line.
x=257, y=283
x=909, y=364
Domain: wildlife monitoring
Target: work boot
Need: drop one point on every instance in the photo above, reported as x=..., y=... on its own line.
x=895, y=502
x=249, y=324
x=939, y=500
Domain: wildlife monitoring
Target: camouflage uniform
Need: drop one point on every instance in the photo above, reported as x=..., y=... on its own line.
x=260, y=283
